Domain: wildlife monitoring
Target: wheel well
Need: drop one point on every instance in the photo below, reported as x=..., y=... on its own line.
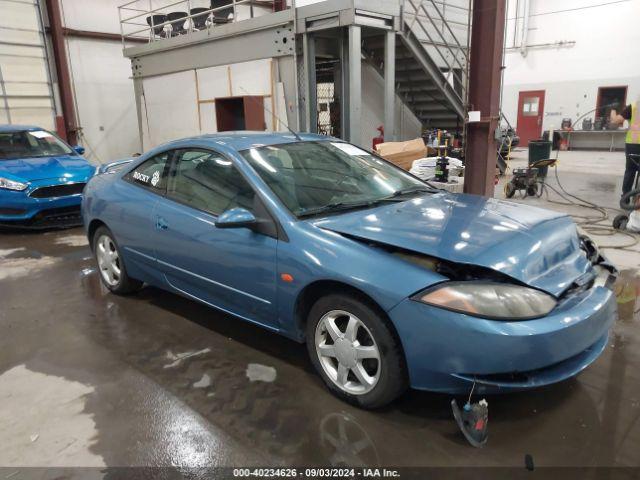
x=93, y=226
x=314, y=291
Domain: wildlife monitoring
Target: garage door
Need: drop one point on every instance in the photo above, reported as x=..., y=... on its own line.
x=25, y=88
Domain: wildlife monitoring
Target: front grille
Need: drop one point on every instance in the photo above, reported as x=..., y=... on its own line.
x=66, y=216
x=49, y=218
x=58, y=190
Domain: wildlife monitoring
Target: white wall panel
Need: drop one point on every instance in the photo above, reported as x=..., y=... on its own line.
x=96, y=15
x=213, y=82
x=171, y=104
x=208, y=122
x=176, y=108
x=251, y=78
x=105, y=99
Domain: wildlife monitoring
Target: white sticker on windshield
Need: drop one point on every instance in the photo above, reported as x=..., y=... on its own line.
x=41, y=134
x=349, y=149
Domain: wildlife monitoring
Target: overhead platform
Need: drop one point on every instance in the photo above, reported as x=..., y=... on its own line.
x=318, y=53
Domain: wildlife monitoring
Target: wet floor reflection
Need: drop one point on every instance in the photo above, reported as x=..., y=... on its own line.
x=627, y=289
x=176, y=383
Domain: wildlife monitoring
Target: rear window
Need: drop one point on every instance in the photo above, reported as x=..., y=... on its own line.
x=151, y=174
x=31, y=143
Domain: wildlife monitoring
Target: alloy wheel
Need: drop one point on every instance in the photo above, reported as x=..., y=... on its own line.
x=348, y=352
x=108, y=260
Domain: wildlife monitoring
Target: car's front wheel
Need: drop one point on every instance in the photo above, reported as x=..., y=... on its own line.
x=355, y=352
x=112, y=271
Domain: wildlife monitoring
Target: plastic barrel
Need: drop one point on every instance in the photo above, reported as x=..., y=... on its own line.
x=539, y=150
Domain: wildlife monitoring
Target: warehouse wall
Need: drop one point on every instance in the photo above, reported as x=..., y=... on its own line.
x=102, y=85
x=605, y=53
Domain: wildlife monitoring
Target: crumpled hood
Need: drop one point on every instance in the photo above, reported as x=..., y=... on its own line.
x=65, y=167
x=538, y=247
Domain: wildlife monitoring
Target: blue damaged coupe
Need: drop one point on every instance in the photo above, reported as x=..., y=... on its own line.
x=390, y=282
x=41, y=178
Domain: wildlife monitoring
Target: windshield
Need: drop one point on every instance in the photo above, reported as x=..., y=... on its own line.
x=35, y=143
x=315, y=177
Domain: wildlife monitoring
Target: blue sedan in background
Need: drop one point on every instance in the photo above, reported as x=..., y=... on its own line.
x=41, y=178
x=390, y=282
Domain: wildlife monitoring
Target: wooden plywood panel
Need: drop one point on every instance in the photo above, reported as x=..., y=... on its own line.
x=254, y=113
x=208, y=122
x=251, y=78
x=268, y=119
x=281, y=109
x=213, y=82
x=172, y=106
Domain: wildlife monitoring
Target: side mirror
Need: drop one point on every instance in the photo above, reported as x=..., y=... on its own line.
x=236, y=218
x=79, y=149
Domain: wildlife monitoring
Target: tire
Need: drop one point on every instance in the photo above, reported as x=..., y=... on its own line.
x=532, y=190
x=620, y=222
x=509, y=190
x=383, y=360
x=113, y=273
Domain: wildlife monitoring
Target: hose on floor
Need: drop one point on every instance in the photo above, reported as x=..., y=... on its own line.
x=590, y=224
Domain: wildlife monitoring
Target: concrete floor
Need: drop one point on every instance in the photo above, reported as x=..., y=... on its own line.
x=88, y=378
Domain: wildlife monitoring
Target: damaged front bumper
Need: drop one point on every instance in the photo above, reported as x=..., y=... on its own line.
x=447, y=351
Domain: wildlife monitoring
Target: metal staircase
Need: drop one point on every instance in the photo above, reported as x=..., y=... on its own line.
x=431, y=60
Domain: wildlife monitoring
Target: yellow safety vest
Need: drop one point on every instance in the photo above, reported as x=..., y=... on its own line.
x=633, y=134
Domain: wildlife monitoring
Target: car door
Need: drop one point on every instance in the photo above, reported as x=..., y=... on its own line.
x=232, y=268
x=130, y=214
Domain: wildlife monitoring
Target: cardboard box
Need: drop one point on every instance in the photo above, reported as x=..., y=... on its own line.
x=403, y=154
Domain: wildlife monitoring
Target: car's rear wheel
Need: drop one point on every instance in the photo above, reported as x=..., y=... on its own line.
x=355, y=352
x=111, y=267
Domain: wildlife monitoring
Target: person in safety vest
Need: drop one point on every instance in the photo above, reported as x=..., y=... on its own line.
x=631, y=113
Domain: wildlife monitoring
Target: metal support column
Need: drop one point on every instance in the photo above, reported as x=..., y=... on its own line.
x=355, y=84
x=62, y=69
x=310, y=86
x=344, y=86
x=389, y=86
x=487, y=38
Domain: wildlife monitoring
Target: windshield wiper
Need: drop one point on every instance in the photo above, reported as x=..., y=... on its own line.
x=406, y=191
x=334, y=207
x=338, y=206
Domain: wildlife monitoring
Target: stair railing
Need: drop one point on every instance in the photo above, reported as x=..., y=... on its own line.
x=435, y=27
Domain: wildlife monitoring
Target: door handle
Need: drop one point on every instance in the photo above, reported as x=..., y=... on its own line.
x=161, y=223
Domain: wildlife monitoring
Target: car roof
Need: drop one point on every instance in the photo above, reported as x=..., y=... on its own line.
x=243, y=140
x=18, y=128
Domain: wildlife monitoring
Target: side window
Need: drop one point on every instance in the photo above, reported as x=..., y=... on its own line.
x=207, y=181
x=151, y=174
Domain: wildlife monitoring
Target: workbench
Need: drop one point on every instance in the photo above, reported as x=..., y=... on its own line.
x=611, y=140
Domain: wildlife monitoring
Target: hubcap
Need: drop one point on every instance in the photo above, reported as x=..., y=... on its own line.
x=108, y=260
x=347, y=352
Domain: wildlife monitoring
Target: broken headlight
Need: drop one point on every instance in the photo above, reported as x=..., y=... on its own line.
x=501, y=301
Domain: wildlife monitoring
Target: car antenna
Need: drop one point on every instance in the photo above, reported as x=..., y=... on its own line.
x=298, y=137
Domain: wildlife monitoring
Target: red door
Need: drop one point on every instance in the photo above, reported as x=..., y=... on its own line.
x=530, y=111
